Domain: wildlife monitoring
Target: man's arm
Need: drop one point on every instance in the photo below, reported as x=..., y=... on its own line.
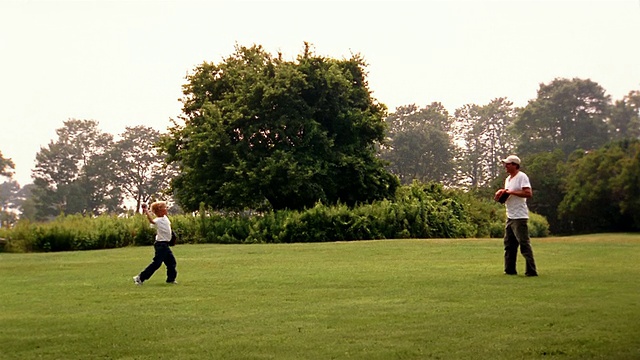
x=525, y=192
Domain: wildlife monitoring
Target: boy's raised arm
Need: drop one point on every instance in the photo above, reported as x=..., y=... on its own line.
x=146, y=212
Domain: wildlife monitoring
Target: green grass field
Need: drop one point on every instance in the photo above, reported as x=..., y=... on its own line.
x=394, y=299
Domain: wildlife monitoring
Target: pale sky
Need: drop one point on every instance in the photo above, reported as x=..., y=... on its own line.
x=123, y=63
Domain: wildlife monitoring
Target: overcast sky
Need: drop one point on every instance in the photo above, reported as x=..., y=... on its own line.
x=123, y=63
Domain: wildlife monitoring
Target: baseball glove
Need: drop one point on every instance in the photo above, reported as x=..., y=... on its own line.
x=501, y=196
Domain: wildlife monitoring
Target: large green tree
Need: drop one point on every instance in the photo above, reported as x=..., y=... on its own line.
x=568, y=114
x=419, y=145
x=263, y=132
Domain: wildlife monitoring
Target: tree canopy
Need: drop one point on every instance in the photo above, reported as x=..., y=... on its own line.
x=263, y=132
x=137, y=166
x=6, y=166
x=603, y=189
x=483, y=133
x=420, y=146
x=568, y=114
x=625, y=117
x=85, y=171
x=70, y=176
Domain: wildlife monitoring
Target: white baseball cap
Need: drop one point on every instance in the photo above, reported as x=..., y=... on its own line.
x=511, y=159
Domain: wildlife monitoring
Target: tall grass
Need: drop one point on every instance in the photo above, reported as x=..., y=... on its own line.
x=391, y=299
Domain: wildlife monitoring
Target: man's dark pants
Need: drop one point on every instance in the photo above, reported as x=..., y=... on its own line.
x=163, y=254
x=517, y=234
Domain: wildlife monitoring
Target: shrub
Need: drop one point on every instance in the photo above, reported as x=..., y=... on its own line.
x=538, y=225
x=417, y=211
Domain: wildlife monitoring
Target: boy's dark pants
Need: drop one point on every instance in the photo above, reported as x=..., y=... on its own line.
x=517, y=234
x=163, y=254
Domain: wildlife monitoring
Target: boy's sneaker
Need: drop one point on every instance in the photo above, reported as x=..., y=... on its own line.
x=172, y=282
x=136, y=280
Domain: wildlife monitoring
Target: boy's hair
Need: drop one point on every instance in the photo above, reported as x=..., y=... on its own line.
x=158, y=205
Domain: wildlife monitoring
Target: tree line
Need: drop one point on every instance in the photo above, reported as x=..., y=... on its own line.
x=263, y=133
x=86, y=171
x=579, y=148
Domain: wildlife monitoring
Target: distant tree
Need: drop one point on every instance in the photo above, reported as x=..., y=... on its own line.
x=6, y=166
x=625, y=187
x=70, y=175
x=484, y=134
x=8, y=202
x=625, y=117
x=138, y=167
x=547, y=172
x=26, y=204
x=9, y=194
x=603, y=189
x=263, y=132
x=566, y=115
x=419, y=146
x=470, y=161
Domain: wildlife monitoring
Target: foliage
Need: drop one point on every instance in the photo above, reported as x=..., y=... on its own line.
x=8, y=201
x=268, y=134
x=26, y=202
x=538, y=225
x=78, y=232
x=264, y=133
x=419, y=146
x=483, y=133
x=487, y=216
x=17, y=238
x=8, y=191
x=138, y=167
x=566, y=115
x=85, y=172
x=70, y=175
x=625, y=117
x=547, y=172
x=418, y=211
x=603, y=189
x=6, y=166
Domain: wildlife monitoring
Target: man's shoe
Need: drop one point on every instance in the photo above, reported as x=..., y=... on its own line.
x=532, y=274
x=137, y=280
x=172, y=282
x=510, y=273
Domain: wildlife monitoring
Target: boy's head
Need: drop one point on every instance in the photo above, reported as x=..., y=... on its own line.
x=159, y=208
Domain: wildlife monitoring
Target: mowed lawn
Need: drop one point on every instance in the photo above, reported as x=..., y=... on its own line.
x=391, y=299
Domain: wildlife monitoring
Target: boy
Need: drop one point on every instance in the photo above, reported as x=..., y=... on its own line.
x=163, y=252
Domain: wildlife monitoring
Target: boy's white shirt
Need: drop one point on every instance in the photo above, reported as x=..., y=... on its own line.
x=163, y=227
x=516, y=205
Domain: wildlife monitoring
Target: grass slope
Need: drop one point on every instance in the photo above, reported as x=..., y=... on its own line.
x=395, y=299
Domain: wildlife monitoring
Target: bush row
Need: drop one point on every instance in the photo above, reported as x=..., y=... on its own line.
x=418, y=211
x=78, y=232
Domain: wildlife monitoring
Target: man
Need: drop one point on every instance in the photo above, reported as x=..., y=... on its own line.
x=518, y=188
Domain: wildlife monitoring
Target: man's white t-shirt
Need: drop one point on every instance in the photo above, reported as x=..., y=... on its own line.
x=516, y=205
x=163, y=227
